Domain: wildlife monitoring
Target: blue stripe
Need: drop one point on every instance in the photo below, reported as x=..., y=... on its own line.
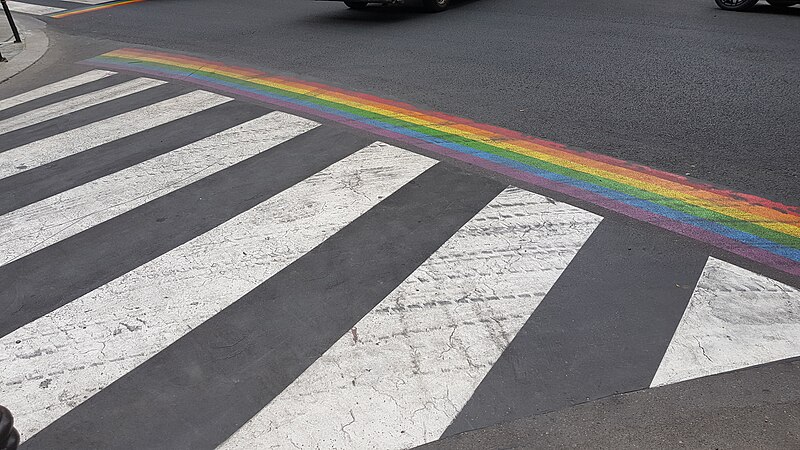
x=664, y=211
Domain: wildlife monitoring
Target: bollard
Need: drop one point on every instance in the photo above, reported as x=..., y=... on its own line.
x=17, y=39
x=9, y=436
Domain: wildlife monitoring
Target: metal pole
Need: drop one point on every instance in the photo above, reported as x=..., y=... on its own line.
x=17, y=39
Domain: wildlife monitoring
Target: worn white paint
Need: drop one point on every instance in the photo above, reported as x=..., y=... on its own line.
x=54, y=363
x=58, y=86
x=76, y=104
x=735, y=319
x=43, y=223
x=30, y=8
x=400, y=376
x=74, y=141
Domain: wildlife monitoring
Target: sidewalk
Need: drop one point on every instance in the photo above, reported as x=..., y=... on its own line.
x=8, y=47
x=21, y=55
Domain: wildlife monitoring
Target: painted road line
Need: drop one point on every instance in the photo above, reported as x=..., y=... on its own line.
x=58, y=86
x=761, y=230
x=76, y=266
x=76, y=104
x=94, y=8
x=28, y=8
x=735, y=319
x=96, y=113
x=84, y=346
x=36, y=226
x=71, y=142
x=89, y=2
x=602, y=328
x=45, y=181
x=399, y=377
x=236, y=362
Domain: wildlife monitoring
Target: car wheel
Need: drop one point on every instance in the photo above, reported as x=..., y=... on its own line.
x=436, y=5
x=356, y=5
x=736, y=5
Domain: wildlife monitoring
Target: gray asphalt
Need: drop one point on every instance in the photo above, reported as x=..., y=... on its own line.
x=753, y=408
x=678, y=85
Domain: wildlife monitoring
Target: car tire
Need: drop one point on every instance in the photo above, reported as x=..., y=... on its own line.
x=736, y=5
x=356, y=5
x=436, y=5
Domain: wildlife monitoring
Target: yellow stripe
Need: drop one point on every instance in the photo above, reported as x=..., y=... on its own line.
x=718, y=207
x=92, y=9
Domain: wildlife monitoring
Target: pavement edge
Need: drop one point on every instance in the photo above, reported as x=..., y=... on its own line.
x=754, y=407
x=35, y=43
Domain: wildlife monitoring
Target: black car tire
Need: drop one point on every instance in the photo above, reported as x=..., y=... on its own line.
x=356, y=5
x=436, y=5
x=736, y=5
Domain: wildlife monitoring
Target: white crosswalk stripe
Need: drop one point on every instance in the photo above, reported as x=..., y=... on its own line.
x=31, y=8
x=58, y=86
x=76, y=104
x=419, y=355
x=36, y=226
x=735, y=319
x=85, y=345
x=74, y=141
x=403, y=373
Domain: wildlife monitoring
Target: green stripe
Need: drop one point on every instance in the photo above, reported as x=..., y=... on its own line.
x=675, y=204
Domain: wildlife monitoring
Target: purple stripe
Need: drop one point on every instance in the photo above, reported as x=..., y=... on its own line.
x=719, y=241
x=725, y=243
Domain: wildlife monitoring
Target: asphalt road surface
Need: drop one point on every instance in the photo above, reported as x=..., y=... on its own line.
x=677, y=85
x=196, y=253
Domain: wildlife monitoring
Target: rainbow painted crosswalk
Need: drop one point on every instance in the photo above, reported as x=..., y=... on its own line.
x=761, y=230
x=59, y=9
x=167, y=251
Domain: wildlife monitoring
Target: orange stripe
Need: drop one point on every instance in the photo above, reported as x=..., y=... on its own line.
x=484, y=133
x=92, y=9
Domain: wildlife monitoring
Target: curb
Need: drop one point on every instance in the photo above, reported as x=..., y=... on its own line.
x=35, y=44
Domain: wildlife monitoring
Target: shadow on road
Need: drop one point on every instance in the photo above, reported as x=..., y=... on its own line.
x=768, y=9
x=382, y=13
x=765, y=9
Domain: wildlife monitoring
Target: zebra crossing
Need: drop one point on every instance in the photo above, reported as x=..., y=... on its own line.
x=33, y=8
x=224, y=275
x=78, y=103
x=447, y=317
x=40, y=224
x=47, y=150
x=62, y=8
